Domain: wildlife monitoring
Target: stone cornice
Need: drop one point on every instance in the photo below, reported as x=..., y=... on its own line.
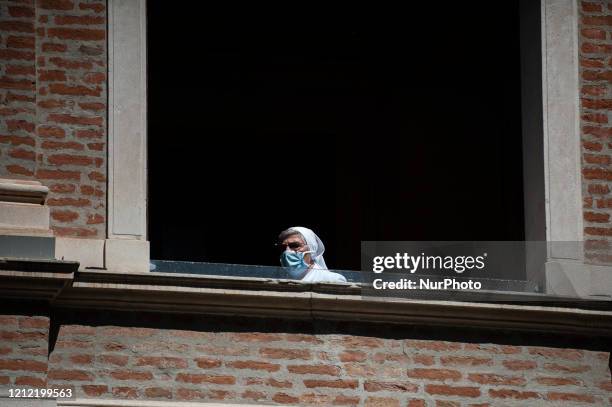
x=270, y=298
x=12, y=190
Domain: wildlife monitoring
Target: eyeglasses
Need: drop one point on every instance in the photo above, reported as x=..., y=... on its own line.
x=292, y=245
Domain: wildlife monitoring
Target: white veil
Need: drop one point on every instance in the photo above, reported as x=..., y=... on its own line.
x=314, y=244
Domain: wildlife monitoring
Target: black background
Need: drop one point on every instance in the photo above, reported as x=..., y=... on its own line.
x=362, y=124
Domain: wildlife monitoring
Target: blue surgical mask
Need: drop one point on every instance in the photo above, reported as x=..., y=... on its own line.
x=295, y=263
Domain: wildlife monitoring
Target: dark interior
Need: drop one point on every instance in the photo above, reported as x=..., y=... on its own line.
x=362, y=124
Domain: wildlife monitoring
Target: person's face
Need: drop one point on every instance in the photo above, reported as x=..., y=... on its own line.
x=297, y=244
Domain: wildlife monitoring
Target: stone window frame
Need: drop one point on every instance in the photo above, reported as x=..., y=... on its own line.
x=127, y=248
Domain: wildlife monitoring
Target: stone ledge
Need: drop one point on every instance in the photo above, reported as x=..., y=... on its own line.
x=270, y=298
x=22, y=191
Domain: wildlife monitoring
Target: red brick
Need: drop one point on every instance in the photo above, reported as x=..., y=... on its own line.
x=591, y=7
x=254, y=337
x=162, y=362
x=92, y=51
x=81, y=359
x=596, y=217
x=30, y=381
x=597, y=159
x=445, y=390
x=381, y=402
x=81, y=34
x=20, y=42
x=10, y=111
x=20, y=11
x=70, y=375
x=125, y=392
x=283, y=384
x=597, y=131
x=128, y=331
x=131, y=375
x=352, y=356
x=55, y=4
x=253, y=365
x=426, y=360
x=95, y=77
x=89, y=190
x=23, y=336
x=34, y=322
x=496, y=379
x=50, y=131
x=433, y=345
x=74, y=90
x=434, y=374
x=206, y=363
x=92, y=106
x=302, y=338
x=189, y=394
x=595, y=117
x=342, y=400
x=7, y=321
x=464, y=361
x=336, y=384
x=283, y=398
x=54, y=47
x=79, y=20
x=277, y=353
x=18, y=70
x=567, y=354
x=19, y=170
x=360, y=342
x=314, y=369
x=577, y=397
x=597, y=173
x=96, y=146
x=591, y=63
x=68, y=159
x=519, y=364
x=254, y=395
x=597, y=20
x=60, y=145
x=373, y=386
x=556, y=367
x=68, y=202
x=95, y=219
x=51, y=103
x=22, y=154
x=14, y=125
x=71, y=63
x=597, y=103
x=89, y=133
x=96, y=7
x=158, y=392
x=94, y=390
x=46, y=75
x=116, y=360
x=17, y=26
x=558, y=381
x=203, y=378
x=18, y=140
x=74, y=231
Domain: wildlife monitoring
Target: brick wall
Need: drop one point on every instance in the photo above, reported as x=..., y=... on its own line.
x=596, y=103
x=303, y=369
x=23, y=351
x=167, y=360
x=53, y=106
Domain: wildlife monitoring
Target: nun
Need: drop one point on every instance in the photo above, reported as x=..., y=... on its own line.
x=302, y=255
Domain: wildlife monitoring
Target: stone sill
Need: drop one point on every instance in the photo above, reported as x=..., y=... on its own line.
x=272, y=298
